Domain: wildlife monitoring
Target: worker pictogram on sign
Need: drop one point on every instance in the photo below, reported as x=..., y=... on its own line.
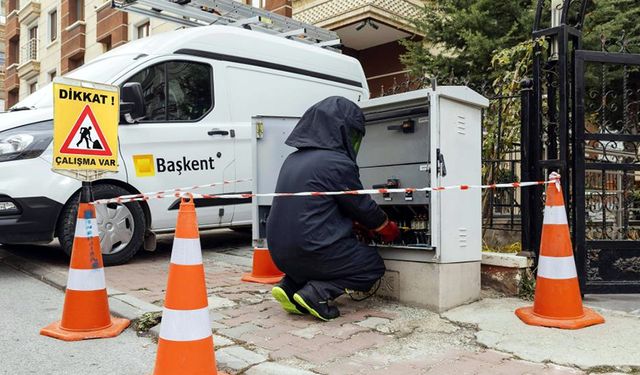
x=86, y=137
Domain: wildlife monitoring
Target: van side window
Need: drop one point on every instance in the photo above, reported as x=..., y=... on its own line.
x=189, y=90
x=176, y=91
x=153, y=84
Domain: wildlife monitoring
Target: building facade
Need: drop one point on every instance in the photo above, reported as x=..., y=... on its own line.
x=370, y=30
x=2, y=55
x=47, y=38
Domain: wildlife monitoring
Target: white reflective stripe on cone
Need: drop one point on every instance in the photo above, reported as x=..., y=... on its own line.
x=86, y=280
x=554, y=215
x=557, y=267
x=84, y=226
x=185, y=325
x=186, y=252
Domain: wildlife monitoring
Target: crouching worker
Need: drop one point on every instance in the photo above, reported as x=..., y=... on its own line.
x=311, y=239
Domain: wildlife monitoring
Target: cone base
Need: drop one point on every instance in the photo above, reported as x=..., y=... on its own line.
x=261, y=279
x=54, y=330
x=186, y=357
x=590, y=318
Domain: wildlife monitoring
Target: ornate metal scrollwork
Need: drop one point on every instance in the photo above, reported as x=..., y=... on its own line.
x=628, y=265
x=593, y=270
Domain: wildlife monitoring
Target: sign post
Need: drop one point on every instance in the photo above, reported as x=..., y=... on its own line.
x=85, y=146
x=85, y=130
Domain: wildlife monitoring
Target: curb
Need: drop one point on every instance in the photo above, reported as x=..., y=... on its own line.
x=120, y=304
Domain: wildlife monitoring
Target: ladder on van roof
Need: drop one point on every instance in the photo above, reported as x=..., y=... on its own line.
x=192, y=13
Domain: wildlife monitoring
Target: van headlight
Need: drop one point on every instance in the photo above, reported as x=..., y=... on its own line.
x=25, y=142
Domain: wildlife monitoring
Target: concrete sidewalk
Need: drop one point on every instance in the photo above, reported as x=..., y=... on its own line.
x=613, y=345
x=27, y=306
x=254, y=336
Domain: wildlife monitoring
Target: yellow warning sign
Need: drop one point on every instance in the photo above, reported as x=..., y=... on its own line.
x=85, y=126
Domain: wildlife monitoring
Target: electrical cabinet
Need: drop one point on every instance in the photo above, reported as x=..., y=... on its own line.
x=424, y=138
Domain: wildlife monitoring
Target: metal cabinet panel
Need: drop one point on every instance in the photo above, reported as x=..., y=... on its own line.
x=438, y=227
x=386, y=144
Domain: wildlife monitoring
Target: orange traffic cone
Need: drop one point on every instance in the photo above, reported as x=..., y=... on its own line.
x=185, y=345
x=264, y=270
x=85, y=314
x=557, y=300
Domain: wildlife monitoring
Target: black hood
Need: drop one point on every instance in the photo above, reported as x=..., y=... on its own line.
x=326, y=125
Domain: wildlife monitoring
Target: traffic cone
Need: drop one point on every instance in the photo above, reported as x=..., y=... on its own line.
x=264, y=271
x=557, y=300
x=185, y=344
x=85, y=314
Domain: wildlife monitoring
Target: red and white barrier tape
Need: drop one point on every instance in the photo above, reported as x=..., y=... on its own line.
x=181, y=193
x=164, y=193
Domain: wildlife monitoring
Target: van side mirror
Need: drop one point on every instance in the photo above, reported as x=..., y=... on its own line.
x=132, y=108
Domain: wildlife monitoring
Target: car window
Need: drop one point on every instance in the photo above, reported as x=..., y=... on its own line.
x=176, y=91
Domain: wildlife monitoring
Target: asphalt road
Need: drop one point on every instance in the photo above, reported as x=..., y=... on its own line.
x=27, y=305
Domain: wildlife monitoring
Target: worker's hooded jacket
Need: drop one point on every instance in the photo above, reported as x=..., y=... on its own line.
x=325, y=161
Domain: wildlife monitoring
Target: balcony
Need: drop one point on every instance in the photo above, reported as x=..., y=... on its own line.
x=333, y=13
x=11, y=79
x=12, y=27
x=73, y=46
x=29, y=64
x=362, y=24
x=1, y=83
x=111, y=26
x=29, y=12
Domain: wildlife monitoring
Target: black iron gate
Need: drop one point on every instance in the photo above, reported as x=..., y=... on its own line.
x=581, y=118
x=607, y=171
x=548, y=110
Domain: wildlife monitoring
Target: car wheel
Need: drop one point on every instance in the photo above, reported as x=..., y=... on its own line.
x=121, y=226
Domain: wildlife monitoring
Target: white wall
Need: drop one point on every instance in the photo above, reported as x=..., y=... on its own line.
x=155, y=27
x=49, y=52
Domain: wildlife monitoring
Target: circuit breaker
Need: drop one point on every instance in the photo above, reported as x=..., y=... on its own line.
x=424, y=138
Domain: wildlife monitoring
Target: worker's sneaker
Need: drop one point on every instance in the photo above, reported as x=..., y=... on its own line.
x=279, y=292
x=310, y=300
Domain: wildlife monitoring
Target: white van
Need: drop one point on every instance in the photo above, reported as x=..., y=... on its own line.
x=194, y=91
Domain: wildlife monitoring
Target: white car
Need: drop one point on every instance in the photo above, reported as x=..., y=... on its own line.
x=193, y=92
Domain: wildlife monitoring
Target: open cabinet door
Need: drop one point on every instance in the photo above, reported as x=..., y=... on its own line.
x=269, y=151
x=457, y=156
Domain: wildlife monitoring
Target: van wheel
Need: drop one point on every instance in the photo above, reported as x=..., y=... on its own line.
x=121, y=226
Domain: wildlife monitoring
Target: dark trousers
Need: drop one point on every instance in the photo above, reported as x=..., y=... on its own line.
x=330, y=274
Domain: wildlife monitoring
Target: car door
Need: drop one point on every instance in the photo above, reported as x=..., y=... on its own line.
x=180, y=142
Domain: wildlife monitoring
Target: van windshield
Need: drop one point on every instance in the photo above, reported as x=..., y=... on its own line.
x=104, y=70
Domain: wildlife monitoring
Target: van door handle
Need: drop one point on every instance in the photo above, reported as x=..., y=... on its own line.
x=218, y=132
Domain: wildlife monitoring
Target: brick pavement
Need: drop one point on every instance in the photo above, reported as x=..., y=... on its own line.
x=254, y=336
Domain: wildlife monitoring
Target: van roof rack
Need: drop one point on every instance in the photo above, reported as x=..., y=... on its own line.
x=192, y=13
